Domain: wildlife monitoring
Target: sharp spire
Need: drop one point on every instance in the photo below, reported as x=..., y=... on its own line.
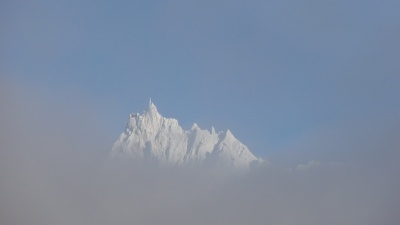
x=152, y=108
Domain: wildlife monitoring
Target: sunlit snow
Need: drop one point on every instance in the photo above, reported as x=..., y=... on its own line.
x=153, y=137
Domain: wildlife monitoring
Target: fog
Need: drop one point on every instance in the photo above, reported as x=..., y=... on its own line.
x=55, y=169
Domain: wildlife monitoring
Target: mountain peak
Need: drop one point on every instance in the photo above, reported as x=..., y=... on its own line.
x=229, y=135
x=195, y=127
x=151, y=109
x=158, y=139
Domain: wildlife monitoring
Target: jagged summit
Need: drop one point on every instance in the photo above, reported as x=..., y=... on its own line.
x=152, y=137
x=152, y=109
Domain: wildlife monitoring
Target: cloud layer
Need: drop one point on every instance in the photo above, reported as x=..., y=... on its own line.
x=54, y=169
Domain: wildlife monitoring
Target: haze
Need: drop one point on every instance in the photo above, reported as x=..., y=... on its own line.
x=54, y=169
x=310, y=86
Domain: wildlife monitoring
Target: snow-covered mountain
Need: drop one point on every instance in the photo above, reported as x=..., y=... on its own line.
x=155, y=138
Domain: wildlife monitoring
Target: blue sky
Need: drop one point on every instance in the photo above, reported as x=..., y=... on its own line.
x=274, y=72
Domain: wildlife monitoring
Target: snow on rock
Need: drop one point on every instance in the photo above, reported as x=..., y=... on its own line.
x=155, y=138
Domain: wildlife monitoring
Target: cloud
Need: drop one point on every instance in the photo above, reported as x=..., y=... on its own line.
x=54, y=169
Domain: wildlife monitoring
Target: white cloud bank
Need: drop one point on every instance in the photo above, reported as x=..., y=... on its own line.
x=54, y=170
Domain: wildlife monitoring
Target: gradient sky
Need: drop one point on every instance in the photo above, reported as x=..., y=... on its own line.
x=273, y=72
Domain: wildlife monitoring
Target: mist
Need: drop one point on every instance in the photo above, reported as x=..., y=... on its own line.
x=55, y=169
